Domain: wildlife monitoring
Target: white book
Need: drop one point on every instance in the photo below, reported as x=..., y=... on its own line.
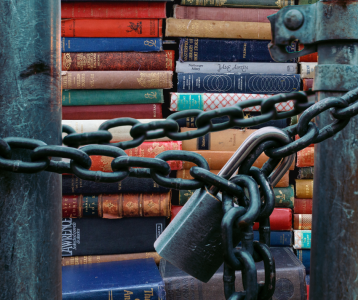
x=120, y=134
x=307, y=69
x=236, y=67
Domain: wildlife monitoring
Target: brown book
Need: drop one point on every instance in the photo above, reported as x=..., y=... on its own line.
x=304, y=188
x=302, y=221
x=217, y=159
x=117, y=206
x=217, y=29
x=305, y=157
x=120, y=80
x=290, y=280
x=95, y=259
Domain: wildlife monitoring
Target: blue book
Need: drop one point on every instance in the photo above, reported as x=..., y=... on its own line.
x=238, y=83
x=278, y=238
x=131, y=279
x=225, y=50
x=305, y=257
x=75, y=44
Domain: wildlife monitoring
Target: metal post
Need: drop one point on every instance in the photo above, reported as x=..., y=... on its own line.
x=30, y=106
x=334, y=255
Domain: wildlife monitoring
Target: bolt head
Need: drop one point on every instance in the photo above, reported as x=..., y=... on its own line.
x=293, y=19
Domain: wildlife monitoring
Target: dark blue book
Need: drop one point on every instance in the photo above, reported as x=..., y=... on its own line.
x=132, y=279
x=72, y=185
x=104, y=236
x=238, y=83
x=224, y=50
x=304, y=256
x=75, y=44
x=278, y=238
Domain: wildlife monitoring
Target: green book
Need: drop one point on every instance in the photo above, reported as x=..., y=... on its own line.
x=240, y=3
x=284, y=197
x=111, y=97
x=305, y=2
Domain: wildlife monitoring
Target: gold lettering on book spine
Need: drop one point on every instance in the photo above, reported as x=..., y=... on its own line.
x=150, y=80
x=67, y=61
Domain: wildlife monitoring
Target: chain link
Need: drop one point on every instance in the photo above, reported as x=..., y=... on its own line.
x=237, y=224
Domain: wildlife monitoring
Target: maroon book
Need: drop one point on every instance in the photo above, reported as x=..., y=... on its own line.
x=307, y=83
x=103, y=112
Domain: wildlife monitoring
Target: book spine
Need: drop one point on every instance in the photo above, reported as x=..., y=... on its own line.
x=305, y=257
x=313, y=57
x=123, y=80
x=190, y=122
x=95, y=259
x=111, y=28
x=118, y=61
x=72, y=185
x=278, y=238
x=284, y=197
x=116, y=206
x=111, y=44
x=210, y=101
x=307, y=84
x=303, y=206
x=236, y=68
x=223, y=13
x=302, y=239
x=305, y=173
x=224, y=50
x=241, y=3
x=243, y=83
x=307, y=69
x=305, y=157
x=302, y=221
x=147, y=149
x=100, y=112
x=115, y=10
x=280, y=220
x=217, y=29
x=305, y=2
x=97, y=236
x=111, y=97
x=304, y=188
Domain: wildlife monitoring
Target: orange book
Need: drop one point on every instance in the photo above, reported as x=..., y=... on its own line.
x=305, y=157
x=111, y=28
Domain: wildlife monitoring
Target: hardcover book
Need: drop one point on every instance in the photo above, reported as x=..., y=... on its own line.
x=305, y=257
x=307, y=69
x=102, y=236
x=280, y=219
x=303, y=206
x=307, y=84
x=241, y=3
x=233, y=83
x=302, y=221
x=305, y=173
x=302, y=239
x=305, y=157
x=131, y=279
x=304, y=188
x=290, y=280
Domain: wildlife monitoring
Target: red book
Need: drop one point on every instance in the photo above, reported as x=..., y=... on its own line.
x=119, y=61
x=147, y=149
x=303, y=206
x=280, y=219
x=297, y=137
x=313, y=57
x=111, y=28
x=104, y=112
x=307, y=83
x=113, y=10
x=305, y=157
x=223, y=13
x=174, y=211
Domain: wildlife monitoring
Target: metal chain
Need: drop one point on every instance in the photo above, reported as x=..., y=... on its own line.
x=237, y=224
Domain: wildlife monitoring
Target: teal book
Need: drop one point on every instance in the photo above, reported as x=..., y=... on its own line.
x=302, y=239
x=111, y=97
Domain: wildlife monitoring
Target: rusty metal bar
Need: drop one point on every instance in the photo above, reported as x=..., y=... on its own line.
x=30, y=106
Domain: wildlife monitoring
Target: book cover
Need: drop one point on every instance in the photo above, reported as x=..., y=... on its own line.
x=241, y=3
x=114, y=10
x=211, y=101
x=145, y=28
x=290, y=280
x=74, y=44
x=122, y=80
x=305, y=257
x=217, y=29
x=87, y=236
x=116, y=206
x=233, y=83
x=305, y=157
x=303, y=206
x=225, y=50
x=131, y=279
x=307, y=69
x=97, y=259
x=304, y=188
x=302, y=239
x=305, y=173
x=302, y=221
x=100, y=112
x=111, y=97
x=72, y=185
x=118, y=61
x=223, y=13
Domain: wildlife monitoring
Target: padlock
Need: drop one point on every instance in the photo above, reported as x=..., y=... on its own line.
x=192, y=241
